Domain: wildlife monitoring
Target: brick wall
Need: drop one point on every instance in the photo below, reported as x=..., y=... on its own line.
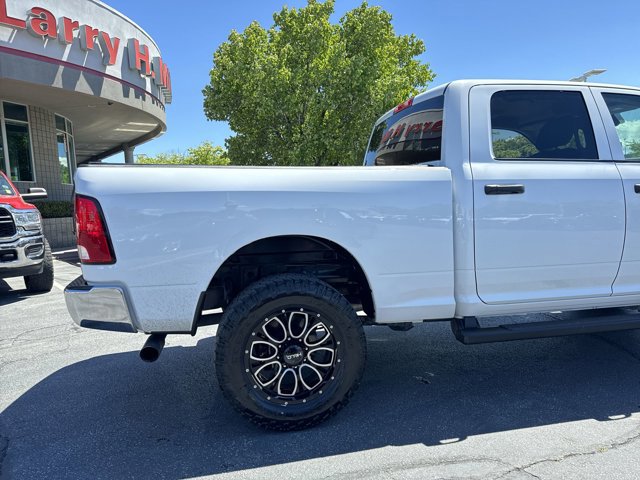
x=42, y=126
x=59, y=232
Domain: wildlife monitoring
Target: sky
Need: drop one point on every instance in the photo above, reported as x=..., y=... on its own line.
x=511, y=39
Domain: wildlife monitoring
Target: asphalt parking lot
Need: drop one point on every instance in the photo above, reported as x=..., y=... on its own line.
x=76, y=403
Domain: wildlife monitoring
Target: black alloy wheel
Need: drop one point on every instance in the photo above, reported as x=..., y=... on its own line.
x=290, y=352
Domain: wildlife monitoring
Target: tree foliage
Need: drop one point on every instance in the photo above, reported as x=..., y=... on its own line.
x=204, y=154
x=515, y=147
x=632, y=150
x=306, y=91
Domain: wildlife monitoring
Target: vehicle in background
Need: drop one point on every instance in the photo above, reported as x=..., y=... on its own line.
x=24, y=251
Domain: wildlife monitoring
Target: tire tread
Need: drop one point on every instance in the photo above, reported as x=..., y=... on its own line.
x=268, y=289
x=43, y=282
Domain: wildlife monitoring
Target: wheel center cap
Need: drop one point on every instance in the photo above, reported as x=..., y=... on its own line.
x=293, y=355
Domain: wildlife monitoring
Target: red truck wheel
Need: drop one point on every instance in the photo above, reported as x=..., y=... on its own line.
x=42, y=282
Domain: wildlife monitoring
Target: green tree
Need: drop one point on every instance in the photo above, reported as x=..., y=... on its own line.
x=515, y=147
x=306, y=91
x=165, y=158
x=632, y=150
x=207, y=154
x=204, y=154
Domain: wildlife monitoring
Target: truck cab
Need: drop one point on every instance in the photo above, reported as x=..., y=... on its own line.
x=545, y=179
x=24, y=251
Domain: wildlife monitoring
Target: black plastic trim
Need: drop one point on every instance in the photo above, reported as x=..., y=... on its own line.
x=198, y=313
x=503, y=189
x=468, y=331
x=108, y=326
x=22, y=271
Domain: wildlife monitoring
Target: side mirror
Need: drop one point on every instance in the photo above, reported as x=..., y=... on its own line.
x=35, y=193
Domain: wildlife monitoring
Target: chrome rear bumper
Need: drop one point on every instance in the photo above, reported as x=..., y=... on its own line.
x=98, y=307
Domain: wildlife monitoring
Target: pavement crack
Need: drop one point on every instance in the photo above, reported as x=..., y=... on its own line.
x=592, y=451
x=17, y=338
x=520, y=470
x=533, y=475
x=401, y=470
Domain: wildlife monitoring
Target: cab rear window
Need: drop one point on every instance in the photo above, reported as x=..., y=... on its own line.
x=411, y=136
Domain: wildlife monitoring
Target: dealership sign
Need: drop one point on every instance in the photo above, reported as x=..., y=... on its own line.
x=42, y=23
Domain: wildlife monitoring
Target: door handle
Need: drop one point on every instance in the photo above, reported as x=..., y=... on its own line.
x=503, y=189
x=636, y=187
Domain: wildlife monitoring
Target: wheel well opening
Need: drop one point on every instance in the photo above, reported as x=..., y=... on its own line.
x=315, y=256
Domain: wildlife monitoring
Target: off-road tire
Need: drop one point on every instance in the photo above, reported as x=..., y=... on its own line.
x=246, y=314
x=42, y=282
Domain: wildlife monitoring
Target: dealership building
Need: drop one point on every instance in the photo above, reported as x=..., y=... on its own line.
x=79, y=82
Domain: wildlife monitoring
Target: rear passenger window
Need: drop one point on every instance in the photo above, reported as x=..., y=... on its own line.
x=541, y=124
x=625, y=112
x=411, y=136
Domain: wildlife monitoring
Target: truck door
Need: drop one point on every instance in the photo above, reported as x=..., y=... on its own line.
x=620, y=111
x=549, y=213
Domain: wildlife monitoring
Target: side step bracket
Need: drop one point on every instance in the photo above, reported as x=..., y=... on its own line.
x=468, y=331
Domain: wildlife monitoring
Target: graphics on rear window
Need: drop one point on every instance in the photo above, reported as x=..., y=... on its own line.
x=412, y=136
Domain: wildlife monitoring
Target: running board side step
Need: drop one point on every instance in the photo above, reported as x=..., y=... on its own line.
x=468, y=331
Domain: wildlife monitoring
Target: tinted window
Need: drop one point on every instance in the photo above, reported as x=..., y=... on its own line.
x=60, y=123
x=16, y=160
x=2, y=156
x=15, y=112
x=63, y=158
x=541, y=124
x=625, y=111
x=510, y=144
x=411, y=136
x=65, y=148
x=5, y=188
x=19, y=152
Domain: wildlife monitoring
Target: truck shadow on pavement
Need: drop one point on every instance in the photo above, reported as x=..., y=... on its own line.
x=9, y=296
x=68, y=256
x=113, y=416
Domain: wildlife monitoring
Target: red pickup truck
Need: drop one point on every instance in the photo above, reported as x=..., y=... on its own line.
x=24, y=252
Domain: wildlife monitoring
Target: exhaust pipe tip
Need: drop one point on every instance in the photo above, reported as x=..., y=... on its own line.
x=152, y=347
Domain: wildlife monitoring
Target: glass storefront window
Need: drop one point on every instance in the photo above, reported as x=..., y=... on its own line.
x=66, y=149
x=60, y=123
x=3, y=166
x=63, y=158
x=19, y=150
x=14, y=111
x=72, y=150
x=15, y=142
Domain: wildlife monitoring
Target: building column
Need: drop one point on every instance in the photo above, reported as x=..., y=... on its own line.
x=128, y=155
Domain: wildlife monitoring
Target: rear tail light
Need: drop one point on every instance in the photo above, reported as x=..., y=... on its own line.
x=94, y=244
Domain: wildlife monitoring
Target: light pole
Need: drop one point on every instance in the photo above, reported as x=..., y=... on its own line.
x=585, y=75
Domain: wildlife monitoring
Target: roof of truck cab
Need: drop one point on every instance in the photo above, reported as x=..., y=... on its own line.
x=421, y=97
x=467, y=84
x=473, y=82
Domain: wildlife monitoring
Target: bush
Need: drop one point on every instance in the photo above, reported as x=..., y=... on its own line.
x=204, y=154
x=55, y=208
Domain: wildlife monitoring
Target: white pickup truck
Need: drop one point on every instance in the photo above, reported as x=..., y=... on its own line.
x=477, y=198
